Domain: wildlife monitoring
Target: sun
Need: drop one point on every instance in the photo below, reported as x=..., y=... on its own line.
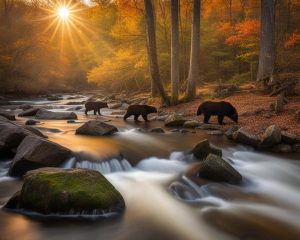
x=63, y=13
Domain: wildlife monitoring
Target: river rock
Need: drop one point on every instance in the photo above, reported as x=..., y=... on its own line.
x=45, y=114
x=7, y=115
x=25, y=107
x=191, y=124
x=215, y=132
x=271, y=137
x=214, y=168
x=289, y=138
x=157, y=130
x=35, y=152
x=241, y=136
x=205, y=126
x=67, y=191
x=96, y=128
x=35, y=131
x=11, y=135
x=31, y=122
x=229, y=133
x=282, y=148
x=114, y=105
x=174, y=120
x=204, y=148
x=29, y=112
x=296, y=148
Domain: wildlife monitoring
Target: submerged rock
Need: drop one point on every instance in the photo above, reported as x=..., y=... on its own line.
x=157, y=130
x=31, y=122
x=67, y=191
x=8, y=115
x=214, y=168
x=96, y=128
x=45, y=114
x=271, y=137
x=204, y=148
x=242, y=136
x=35, y=152
x=282, y=148
x=296, y=148
x=29, y=112
x=174, y=120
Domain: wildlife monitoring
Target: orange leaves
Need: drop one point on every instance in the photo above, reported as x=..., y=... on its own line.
x=293, y=40
x=243, y=32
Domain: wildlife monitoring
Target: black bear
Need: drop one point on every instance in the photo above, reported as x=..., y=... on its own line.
x=138, y=110
x=96, y=106
x=220, y=109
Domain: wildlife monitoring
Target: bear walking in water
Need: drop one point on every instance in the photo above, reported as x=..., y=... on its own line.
x=96, y=106
x=138, y=110
x=220, y=109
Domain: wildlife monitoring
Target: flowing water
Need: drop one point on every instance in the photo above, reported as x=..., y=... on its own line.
x=162, y=202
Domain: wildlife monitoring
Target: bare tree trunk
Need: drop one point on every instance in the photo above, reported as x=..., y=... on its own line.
x=174, y=51
x=156, y=83
x=195, y=55
x=267, y=40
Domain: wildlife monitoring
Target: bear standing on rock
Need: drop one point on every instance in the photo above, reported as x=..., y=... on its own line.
x=96, y=106
x=220, y=109
x=138, y=110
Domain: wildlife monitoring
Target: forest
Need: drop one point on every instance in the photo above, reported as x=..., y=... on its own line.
x=104, y=44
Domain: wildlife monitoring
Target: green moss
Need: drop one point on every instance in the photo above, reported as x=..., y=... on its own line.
x=56, y=190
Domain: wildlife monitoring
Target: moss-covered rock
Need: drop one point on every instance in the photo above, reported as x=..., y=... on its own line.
x=203, y=148
x=65, y=191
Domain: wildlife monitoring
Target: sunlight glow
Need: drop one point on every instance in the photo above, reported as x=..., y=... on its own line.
x=63, y=13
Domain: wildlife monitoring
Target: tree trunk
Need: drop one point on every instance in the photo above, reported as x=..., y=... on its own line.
x=174, y=51
x=156, y=83
x=267, y=40
x=195, y=55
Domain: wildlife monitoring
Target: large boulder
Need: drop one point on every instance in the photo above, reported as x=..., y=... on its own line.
x=67, y=191
x=204, y=148
x=31, y=122
x=174, y=120
x=271, y=137
x=45, y=114
x=241, y=136
x=214, y=168
x=96, y=128
x=35, y=131
x=29, y=112
x=35, y=152
x=7, y=115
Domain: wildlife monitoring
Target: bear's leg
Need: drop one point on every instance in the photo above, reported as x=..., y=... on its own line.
x=220, y=119
x=86, y=112
x=127, y=115
x=206, y=118
x=136, y=117
x=99, y=112
x=145, y=117
x=95, y=112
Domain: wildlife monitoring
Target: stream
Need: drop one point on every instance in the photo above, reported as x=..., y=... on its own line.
x=161, y=201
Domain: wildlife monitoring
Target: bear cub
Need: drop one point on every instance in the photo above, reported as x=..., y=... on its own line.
x=220, y=109
x=138, y=110
x=96, y=106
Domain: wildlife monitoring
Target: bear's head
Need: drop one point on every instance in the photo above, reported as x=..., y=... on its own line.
x=151, y=109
